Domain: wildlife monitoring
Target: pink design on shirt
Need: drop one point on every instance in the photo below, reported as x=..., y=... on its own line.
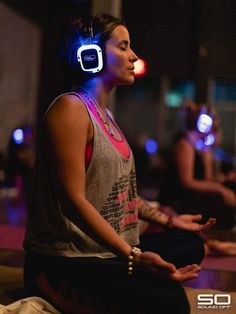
x=122, y=145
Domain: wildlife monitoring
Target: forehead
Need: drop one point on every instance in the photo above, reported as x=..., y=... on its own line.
x=120, y=33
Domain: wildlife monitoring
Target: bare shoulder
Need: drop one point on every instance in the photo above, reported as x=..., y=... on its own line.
x=68, y=105
x=183, y=147
x=65, y=107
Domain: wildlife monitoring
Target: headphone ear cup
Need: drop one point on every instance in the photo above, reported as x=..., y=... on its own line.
x=90, y=58
x=89, y=55
x=204, y=123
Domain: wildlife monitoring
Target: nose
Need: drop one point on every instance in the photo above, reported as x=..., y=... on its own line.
x=133, y=57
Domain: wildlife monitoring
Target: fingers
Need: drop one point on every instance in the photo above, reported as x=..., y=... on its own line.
x=188, y=276
x=212, y=220
x=209, y=224
x=183, y=277
x=188, y=268
x=186, y=273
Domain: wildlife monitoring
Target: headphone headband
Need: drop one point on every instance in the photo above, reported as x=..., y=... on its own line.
x=89, y=55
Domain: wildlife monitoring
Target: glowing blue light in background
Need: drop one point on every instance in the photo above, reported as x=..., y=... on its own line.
x=224, y=156
x=151, y=146
x=199, y=144
x=209, y=140
x=219, y=153
x=18, y=136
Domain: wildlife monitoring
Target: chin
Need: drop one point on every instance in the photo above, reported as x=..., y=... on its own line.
x=128, y=81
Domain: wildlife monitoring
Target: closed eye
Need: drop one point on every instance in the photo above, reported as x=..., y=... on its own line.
x=124, y=44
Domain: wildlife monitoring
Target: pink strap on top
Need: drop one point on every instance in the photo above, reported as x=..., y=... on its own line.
x=121, y=146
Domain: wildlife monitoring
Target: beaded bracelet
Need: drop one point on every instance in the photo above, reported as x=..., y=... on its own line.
x=135, y=251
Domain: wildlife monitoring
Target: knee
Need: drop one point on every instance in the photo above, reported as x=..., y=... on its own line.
x=199, y=248
x=191, y=250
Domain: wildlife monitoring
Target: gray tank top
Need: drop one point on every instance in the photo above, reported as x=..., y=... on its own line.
x=110, y=188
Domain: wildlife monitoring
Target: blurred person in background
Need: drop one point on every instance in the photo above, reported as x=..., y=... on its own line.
x=219, y=165
x=187, y=184
x=20, y=158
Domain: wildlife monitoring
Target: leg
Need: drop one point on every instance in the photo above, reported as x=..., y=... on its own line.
x=104, y=286
x=176, y=246
x=221, y=247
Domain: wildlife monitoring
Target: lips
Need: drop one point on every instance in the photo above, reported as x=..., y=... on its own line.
x=131, y=70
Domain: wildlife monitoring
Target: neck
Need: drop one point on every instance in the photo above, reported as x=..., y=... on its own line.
x=192, y=137
x=98, y=91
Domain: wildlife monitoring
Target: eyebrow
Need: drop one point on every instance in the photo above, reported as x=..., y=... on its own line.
x=126, y=42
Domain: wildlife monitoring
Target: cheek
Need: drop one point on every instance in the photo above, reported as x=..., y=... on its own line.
x=114, y=63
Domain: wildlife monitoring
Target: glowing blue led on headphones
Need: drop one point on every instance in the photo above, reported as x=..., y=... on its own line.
x=209, y=140
x=206, y=142
x=204, y=123
x=18, y=136
x=199, y=144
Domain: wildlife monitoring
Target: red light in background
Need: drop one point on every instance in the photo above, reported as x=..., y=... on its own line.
x=140, y=67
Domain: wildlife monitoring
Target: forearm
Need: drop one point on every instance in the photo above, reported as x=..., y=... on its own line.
x=205, y=186
x=86, y=217
x=151, y=213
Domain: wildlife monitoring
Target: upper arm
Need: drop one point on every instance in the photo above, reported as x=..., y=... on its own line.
x=208, y=165
x=65, y=137
x=184, y=158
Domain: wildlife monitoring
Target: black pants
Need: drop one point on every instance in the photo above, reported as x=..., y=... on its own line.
x=175, y=246
x=105, y=281
x=208, y=205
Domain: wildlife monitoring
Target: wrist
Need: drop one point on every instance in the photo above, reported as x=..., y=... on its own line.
x=170, y=222
x=134, y=253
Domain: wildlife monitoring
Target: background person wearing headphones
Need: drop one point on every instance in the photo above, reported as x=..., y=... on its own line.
x=219, y=169
x=186, y=184
x=82, y=238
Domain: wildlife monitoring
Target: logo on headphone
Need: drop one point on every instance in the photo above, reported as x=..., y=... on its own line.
x=90, y=58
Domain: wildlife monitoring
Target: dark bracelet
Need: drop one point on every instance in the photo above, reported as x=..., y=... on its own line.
x=169, y=223
x=135, y=251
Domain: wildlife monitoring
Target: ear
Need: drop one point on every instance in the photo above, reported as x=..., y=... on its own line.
x=90, y=58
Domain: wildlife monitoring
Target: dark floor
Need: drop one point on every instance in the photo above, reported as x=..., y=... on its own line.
x=13, y=215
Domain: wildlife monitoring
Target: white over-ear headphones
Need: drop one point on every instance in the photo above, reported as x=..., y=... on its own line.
x=204, y=123
x=90, y=54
